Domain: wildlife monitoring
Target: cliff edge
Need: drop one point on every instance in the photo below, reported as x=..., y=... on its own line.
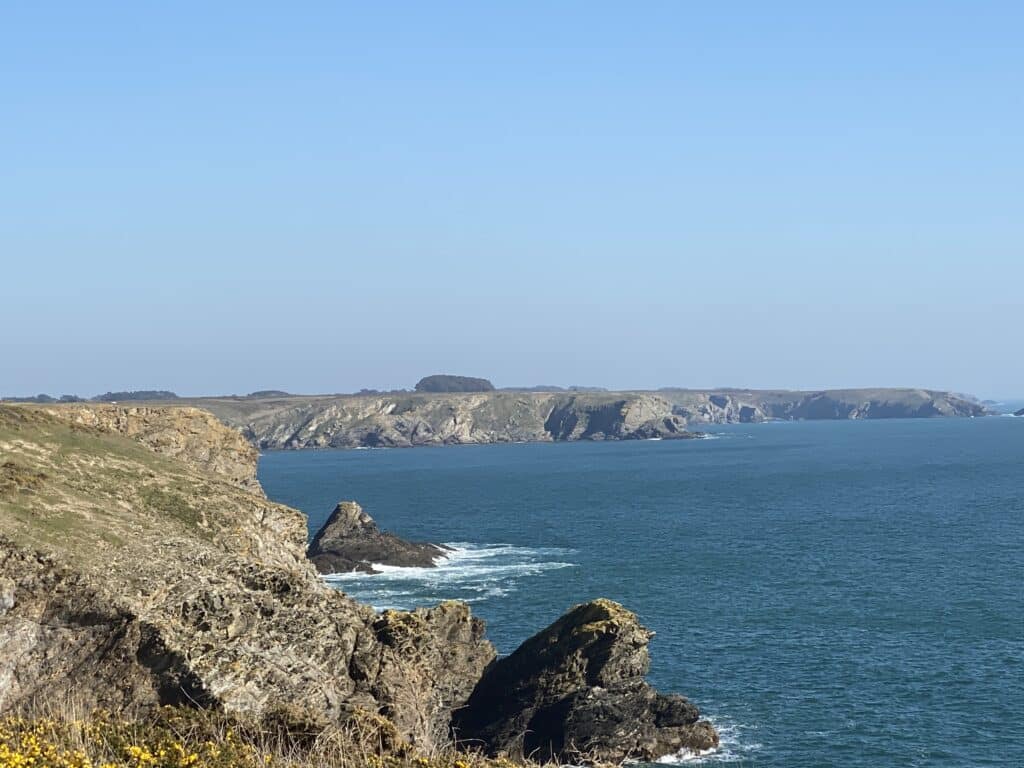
x=141, y=567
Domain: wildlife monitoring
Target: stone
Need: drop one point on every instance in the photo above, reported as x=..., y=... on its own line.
x=351, y=541
x=576, y=692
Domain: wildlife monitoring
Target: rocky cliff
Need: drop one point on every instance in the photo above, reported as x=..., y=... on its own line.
x=192, y=435
x=135, y=578
x=407, y=419
x=734, y=405
x=576, y=692
x=421, y=419
x=140, y=566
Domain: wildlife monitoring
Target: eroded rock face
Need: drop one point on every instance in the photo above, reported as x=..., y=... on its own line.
x=576, y=692
x=130, y=579
x=402, y=420
x=432, y=660
x=194, y=436
x=351, y=541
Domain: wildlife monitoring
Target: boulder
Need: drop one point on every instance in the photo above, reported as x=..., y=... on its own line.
x=351, y=541
x=576, y=692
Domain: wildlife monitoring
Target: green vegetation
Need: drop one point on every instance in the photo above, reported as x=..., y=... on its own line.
x=446, y=383
x=141, y=394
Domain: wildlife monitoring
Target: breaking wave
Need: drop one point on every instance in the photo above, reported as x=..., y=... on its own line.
x=469, y=572
x=736, y=746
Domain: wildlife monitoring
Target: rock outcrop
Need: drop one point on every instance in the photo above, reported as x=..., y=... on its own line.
x=194, y=436
x=421, y=419
x=733, y=405
x=396, y=420
x=1019, y=413
x=576, y=692
x=140, y=568
x=351, y=541
x=130, y=578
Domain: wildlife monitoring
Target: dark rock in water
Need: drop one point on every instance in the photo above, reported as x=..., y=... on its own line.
x=351, y=541
x=576, y=692
x=1019, y=413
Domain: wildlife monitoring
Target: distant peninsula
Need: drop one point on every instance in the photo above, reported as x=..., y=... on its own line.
x=403, y=419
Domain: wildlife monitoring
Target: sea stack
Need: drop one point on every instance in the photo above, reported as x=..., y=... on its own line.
x=575, y=692
x=351, y=541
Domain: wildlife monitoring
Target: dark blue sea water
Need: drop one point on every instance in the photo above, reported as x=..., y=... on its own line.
x=830, y=593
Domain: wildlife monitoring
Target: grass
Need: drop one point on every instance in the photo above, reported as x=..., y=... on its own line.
x=64, y=737
x=84, y=491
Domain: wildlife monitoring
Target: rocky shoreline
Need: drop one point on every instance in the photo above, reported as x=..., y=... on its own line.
x=140, y=566
x=400, y=420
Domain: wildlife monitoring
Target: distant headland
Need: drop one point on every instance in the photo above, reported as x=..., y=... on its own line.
x=445, y=409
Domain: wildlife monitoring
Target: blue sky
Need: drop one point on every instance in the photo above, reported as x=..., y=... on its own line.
x=221, y=197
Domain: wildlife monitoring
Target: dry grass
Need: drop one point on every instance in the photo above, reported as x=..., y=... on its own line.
x=67, y=737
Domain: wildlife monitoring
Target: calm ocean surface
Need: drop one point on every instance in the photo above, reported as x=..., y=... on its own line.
x=829, y=593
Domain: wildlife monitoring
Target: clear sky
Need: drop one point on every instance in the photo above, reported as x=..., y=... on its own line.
x=219, y=197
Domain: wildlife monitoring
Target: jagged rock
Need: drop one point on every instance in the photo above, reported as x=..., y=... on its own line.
x=407, y=419
x=351, y=541
x=401, y=420
x=134, y=573
x=576, y=691
x=433, y=659
x=1019, y=413
x=132, y=577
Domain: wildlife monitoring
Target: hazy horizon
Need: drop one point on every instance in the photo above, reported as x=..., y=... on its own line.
x=1012, y=397
x=219, y=199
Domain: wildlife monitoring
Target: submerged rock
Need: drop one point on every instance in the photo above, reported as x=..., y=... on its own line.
x=576, y=692
x=351, y=541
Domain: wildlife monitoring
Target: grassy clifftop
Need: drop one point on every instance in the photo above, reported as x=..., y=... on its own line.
x=139, y=568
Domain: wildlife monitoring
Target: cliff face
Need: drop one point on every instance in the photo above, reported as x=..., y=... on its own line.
x=133, y=578
x=347, y=421
x=194, y=436
x=730, y=405
x=417, y=419
x=140, y=567
x=576, y=692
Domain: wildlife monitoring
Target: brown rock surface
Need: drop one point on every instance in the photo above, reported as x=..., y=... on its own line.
x=129, y=578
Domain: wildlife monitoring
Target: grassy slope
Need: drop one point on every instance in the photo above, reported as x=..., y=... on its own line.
x=86, y=493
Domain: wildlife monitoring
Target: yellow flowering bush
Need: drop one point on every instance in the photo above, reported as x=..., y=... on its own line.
x=189, y=738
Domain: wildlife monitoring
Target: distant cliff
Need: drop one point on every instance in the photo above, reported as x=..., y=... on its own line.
x=407, y=419
x=737, y=405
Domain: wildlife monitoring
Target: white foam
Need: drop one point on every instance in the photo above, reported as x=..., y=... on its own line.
x=734, y=747
x=469, y=572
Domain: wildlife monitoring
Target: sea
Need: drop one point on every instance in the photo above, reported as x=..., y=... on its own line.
x=829, y=593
